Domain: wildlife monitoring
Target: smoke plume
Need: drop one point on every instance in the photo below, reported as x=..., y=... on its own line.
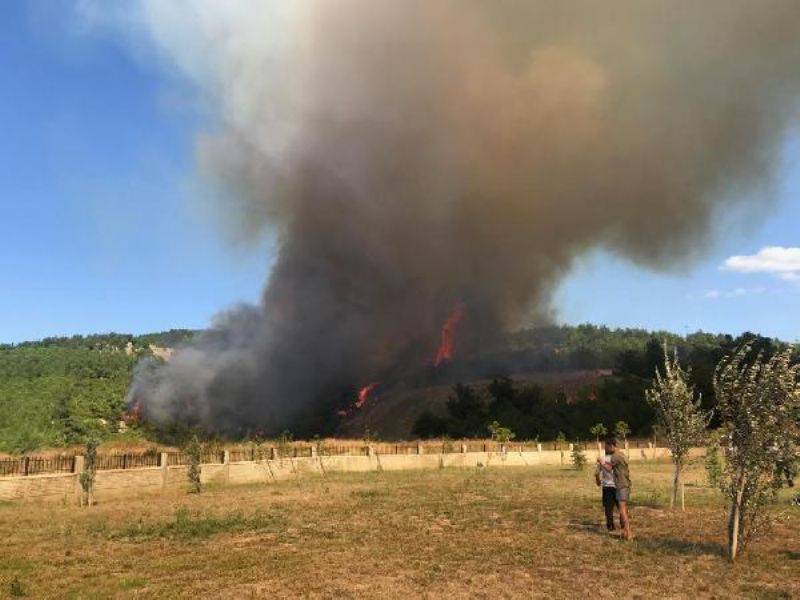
x=413, y=156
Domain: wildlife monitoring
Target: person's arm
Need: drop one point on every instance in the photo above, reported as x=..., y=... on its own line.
x=605, y=465
x=608, y=465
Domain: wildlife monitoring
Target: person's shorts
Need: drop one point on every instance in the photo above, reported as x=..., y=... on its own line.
x=623, y=494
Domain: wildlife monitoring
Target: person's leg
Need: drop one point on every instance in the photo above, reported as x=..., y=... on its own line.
x=624, y=519
x=609, y=499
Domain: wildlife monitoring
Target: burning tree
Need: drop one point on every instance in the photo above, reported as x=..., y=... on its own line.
x=678, y=411
x=758, y=400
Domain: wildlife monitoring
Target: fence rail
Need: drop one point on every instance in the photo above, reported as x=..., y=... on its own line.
x=34, y=465
x=106, y=462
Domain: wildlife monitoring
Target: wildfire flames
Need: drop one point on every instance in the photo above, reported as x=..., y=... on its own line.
x=447, y=346
x=134, y=415
x=365, y=392
x=363, y=396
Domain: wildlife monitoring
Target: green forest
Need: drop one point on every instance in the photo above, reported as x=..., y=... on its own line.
x=633, y=355
x=60, y=391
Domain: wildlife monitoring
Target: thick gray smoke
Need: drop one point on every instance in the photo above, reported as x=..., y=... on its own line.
x=410, y=155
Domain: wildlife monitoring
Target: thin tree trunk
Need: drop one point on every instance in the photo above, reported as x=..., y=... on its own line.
x=735, y=519
x=676, y=483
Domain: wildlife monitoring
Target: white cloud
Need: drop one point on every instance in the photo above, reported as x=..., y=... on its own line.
x=734, y=293
x=775, y=260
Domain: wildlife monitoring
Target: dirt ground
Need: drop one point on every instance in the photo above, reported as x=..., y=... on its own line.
x=479, y=533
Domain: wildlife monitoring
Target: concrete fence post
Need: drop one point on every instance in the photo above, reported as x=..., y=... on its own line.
x=313, y=451
x=503, y=449
x=226, y=461
x=163, y=464
x=273, y=453
x=420, y=450
x=538, y=447
x=463, y=448
x=77, y=469
x=370, y=451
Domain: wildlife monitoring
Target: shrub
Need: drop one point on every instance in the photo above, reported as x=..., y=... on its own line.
x=578, y=458
x=193, y=453
x=15, y=588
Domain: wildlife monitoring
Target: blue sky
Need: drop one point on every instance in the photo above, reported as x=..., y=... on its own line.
x=101, y=229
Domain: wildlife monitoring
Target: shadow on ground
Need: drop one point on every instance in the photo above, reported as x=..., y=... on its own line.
x=656, y=544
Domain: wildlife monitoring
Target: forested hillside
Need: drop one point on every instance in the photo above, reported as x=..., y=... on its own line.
x=57, y=391
x=535, y=411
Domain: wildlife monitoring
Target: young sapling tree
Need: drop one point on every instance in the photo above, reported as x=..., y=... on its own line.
x=678, y=412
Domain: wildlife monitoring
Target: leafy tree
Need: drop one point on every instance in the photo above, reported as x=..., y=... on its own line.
x=429, y=425
x=678, y=411
x=468, y=412
x=621, y=430
x=499, y=433
x=758, y=399
x=598, y=430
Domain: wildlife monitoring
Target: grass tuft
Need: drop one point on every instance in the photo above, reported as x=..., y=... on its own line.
x=187, y=526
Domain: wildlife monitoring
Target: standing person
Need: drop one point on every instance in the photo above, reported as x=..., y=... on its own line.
x=617, y=464
x=605, y=479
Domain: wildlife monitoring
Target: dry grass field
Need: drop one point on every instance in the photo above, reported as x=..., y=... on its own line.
x=485, y=533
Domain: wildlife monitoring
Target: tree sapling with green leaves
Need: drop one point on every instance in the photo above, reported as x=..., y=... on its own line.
x=678, y=411
x=87, y=475
x=598, y=430
x=500, y=434
x=622, y=430
x=758, y=399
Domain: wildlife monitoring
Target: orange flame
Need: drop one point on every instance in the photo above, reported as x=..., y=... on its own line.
x=134, y=415
x=447, y=346
x=363, y=396
x=364, y=393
